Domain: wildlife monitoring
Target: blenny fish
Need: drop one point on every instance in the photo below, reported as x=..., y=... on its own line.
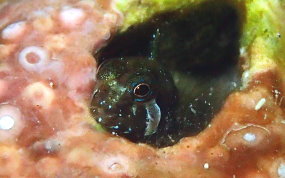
x=166, y=79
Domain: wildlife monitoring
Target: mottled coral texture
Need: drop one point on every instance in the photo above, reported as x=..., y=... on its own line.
x=47, y=73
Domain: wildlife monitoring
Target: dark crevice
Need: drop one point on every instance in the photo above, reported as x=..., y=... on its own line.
x=199, y=47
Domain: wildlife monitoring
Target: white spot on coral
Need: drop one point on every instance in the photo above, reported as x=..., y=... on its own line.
x=14, y=30
x=115, y=167
x=206, y=166
x=6, y=122
x=246, y=76
x=33, y=58
x=48, y=146
x=249, y=137
x=11, y=123
x=281, y=170
x=39, y=94
x=71, y=17
x=260, y=103
x=52, y=146
x=51, y=84
x=115, y=164
x=277, y=92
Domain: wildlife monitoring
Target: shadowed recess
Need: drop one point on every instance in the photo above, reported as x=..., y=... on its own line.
x=195, y=50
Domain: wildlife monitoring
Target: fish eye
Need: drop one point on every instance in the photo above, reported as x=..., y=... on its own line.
x=142, y=90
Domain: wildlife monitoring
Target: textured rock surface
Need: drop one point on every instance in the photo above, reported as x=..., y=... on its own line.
x=46, y=80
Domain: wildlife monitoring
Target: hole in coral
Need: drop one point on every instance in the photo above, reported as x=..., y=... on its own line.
x=199, y=47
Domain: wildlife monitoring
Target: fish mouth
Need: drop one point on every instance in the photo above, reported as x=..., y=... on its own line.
x=153, y=116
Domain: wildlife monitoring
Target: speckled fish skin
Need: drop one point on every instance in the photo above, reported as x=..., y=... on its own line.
x=114, y=106
x=55, y=136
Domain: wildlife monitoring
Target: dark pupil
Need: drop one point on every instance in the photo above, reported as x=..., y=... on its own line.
x=142, y=90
